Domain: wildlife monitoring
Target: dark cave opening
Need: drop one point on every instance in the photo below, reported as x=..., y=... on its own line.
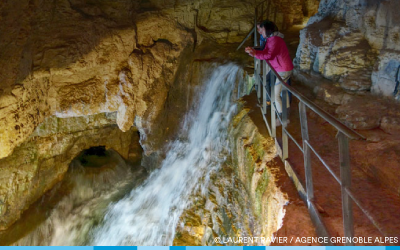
x=94, y=157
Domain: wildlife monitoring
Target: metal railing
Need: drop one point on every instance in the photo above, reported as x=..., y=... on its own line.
x=343, y=136
x=270, y=11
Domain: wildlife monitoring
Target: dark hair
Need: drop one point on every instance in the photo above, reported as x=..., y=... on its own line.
x=270, y=27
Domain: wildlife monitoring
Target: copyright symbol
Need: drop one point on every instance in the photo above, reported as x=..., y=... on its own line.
x=217, y=240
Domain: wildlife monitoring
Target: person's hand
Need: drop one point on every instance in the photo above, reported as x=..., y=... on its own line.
x=250, y=51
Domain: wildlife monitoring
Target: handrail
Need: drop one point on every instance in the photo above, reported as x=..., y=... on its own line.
x=258, y=19
x=314, y=107
x=247, y=37
x=344, y=134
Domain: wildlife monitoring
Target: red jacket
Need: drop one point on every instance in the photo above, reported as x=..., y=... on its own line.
x=277, y=53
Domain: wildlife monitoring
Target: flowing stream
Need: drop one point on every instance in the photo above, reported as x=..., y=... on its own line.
x=149, y=213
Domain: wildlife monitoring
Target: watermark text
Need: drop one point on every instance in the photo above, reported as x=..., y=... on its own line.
x=306, y=240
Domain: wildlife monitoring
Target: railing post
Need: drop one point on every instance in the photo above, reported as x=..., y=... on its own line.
x=345, y=178
x=256, y=80
x=255, y=26
x=307, y=152
x=273, y=114
x=256, y=61
x=259, y=82
x=285, y=142
x=264, y=83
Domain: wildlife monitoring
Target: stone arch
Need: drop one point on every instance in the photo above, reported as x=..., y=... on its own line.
x=41, y=162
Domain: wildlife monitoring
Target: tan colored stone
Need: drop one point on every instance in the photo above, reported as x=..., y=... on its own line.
x=82, y=60
x=391, y=124
x=348, y=54
x=330, y=94
x=91, y=85
x=362, y=52
x=361, y=115
x=41, y=162
x=357, y=81
x=248, y=196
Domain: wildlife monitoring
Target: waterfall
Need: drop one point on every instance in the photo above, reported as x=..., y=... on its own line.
x=149, y=214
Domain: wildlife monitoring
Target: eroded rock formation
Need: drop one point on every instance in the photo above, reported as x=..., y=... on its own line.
x=42, y=161
x=78, y=73
x=355, y=43
x=354, y=46
x=247, y=196
x=88, y=70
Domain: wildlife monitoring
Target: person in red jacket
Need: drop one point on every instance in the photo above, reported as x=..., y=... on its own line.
x=277, y=53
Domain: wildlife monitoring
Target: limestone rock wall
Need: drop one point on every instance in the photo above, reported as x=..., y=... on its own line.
x=353, y=42
x=89, y=69
x=286, y=13
x=254, y=155
x=76, y=57
x=42, y=160
x=243, y=198
x=249, y=196
x=77, y=61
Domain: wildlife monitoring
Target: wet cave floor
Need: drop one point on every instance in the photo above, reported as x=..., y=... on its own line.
x=370, y=186
x=382, y=202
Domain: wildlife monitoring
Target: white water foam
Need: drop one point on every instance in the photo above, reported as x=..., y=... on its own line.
x=150, y=214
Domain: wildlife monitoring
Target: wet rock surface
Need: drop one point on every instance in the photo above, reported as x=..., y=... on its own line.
x=74, y=58
x=250, y=196
x=79, y=58
x=78, y=202
x=41, y=162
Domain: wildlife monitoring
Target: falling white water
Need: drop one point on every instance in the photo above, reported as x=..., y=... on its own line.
x=150, y=214
x=84, y=196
